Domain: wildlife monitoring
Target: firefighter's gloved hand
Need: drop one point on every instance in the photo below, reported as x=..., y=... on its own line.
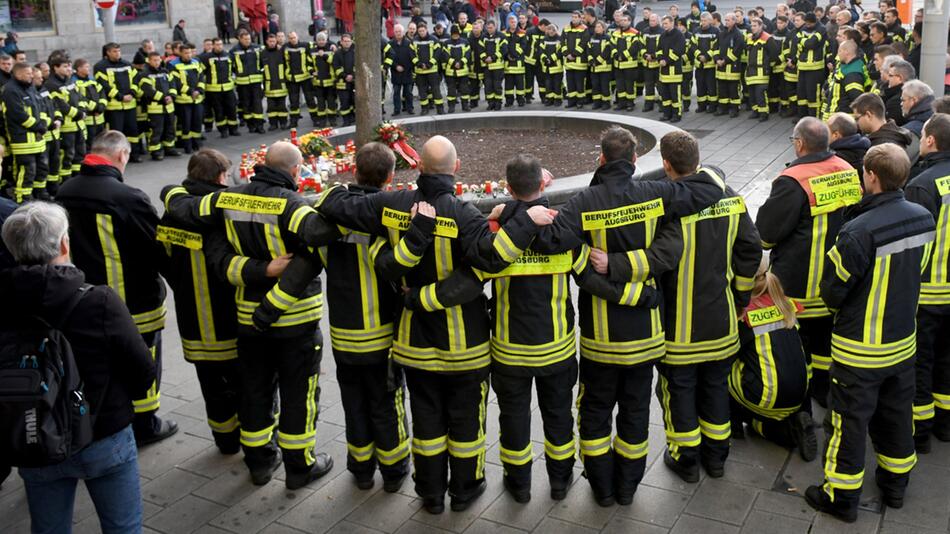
x=411, y=298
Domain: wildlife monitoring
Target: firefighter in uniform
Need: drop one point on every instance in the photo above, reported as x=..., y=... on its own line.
x=763, y=51
x=69, y=103
x=248, y=76
x=189, y=100
x=24, y=130
x=812, y=47
x=689, y=63
x=849, y=81
x=275, y=83
x=620, y=341
x=873, y=266
x=324, y=81
x=159, y=89
x=476, y=74
x=600, y=59
x=628, y=47
x=344, y=65
x=116, y=77
x=769, y=378
x=728, y=54
x=534, y=34
x=776, y=92
x=720, y=255
x=707, y=45
x=203, y=271
x=670, y=54
x=279, y=340
x=427, y=56
x=220, y=103
x=299, y=77
x=552, y=67
x=790, y=75
x=92, y=97
x=798, y=223
x=492, y=59
x=46, y=182
x=931, y=189
x=362, y=315
x=458, y=61
x=650, y=66
x=574, y=56
x=444, y=348
x=112, y=233
x=516, y=53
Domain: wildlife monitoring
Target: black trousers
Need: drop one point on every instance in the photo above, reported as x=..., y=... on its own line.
x=816, y=340
x=808, y=91
x=728, y=91
x=67, y=153
x=576, y=89
x=276, y=109
x=600, y=86
x=20, y=187
x=493, y=79
x=706, y=94
x=618, y=469
x=290, y=366
x=530, y=76
x=376, y=427
x=448, y=431
x=220, y=383
x=695, y=401
x=326, y=101
x=555, y=401
x=146, y=423
x=92, y=130
x=778, y=432
x=650, y=80
x=514, y=88
x=347, y=97
x=775, y=96
x=626, y=85
x=686, y=89
x=553, y=86
x=402, y=96
x=162, y=132
x=457, y=89
x=189, y=123
x=430, y=89
x=758, y=97
x=222, y=107
x=671, y=98
x=42, y=172
x=250, y=100
x=123, y=120
x=294, y=89
x=53, y=160
x=932, y=398
x=878, y=402
x=789, y=93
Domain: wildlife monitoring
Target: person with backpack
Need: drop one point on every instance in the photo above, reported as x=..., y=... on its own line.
x=89, y=332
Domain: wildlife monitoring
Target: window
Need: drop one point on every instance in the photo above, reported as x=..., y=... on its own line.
x=26, y=16
x=140, y=12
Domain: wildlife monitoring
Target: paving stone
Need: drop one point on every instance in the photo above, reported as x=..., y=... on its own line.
x=171, y=486
x=867, y=522
x=790, y=505
x=622, y=525
x=655, y=506
x=660, y=476
x=210, y=463
x=524, y=516
x=756, y=476
x=557, y=526
x=774, y=524
x=13, y=508
x=184, y=516
x=385, y=512
x=326, y=506
x=415, y=527
x=208, y=529
x=459, y=521
x=343, y=527
x=260, y=508
x=483, y=526
x=722, y=501
x=927, y=500
x=580, y=508
x=194, y=409
x=890, y=527
x=228, y=488
x=167, y=454
x=690, y=524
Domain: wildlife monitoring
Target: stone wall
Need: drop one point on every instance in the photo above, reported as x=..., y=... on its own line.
x=75, y=30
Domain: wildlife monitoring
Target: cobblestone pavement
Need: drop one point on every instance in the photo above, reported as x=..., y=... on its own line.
x=188, y=487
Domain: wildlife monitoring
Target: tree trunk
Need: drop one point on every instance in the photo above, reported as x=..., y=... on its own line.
x=367, y=29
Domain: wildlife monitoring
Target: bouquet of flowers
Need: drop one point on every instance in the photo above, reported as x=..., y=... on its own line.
x=398, y=140
x=315, y=143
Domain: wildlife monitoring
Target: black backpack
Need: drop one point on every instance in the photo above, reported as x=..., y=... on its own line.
x=43, y=412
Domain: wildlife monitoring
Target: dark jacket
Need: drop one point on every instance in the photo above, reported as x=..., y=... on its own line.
x=930, y=187
x=852, y=149
x=115, y=364
x=178, y=34
x=401, y=54
x=112, y=233
x=892, y=104
x=891, y=133
x=919, y=114
x=7, y=207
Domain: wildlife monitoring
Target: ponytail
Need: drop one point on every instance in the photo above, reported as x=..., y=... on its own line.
x=767, y=282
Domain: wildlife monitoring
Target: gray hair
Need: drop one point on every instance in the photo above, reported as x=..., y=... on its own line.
x=35, y=231
x=904, y=69
x=888, y=61
x=917, y=89
x=705, y=15
x=813, y=133
x=322, y=36
x=110, y=142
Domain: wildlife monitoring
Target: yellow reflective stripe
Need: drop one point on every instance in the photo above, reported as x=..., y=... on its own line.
x=744, y=283
x=466, y=449
x=622, y=216
x=595, y=447
x=361, y=454
x=235, y=270
x=598, y=305
x=531, y=263
x=429, y=299
x=296, y=441
x=513, y=457
x=715, y=431
x=298, y=216
x=769, y=371
x=624, y=352
x=148, y=404
x=559, y=452
x=455, y=325
x=877, y=300
x=257, y=438
x=110, y=252
x=941, y=401
x=200, y=350
x=275, y=243
x=582, y=259
x=860, y=354
x=701, y=351
x=202, y=293
x=691, y=438
x=924, y=412
x=362, y=334
x=816, y=254
x=392, y=456
x=280, y=299
x=434, y=359
x=430, y=447
x=404, y=256
x=831, y=456
x=505, y=247
x=178, y=190
x=224, y=427
x=630, y=451
x=897, y=465
x=631, y=294
x=150, y=321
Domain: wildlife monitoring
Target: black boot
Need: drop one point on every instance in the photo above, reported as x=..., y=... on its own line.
x=460, y=503
x=451, y=108
x=648, y=105
x=817, y=499
x=261, y=476
x=687, y=473
x=425, y=110
x=322, y=464
x=235, y=132
x=224, y=134
x=440, y=109
x=466, y=106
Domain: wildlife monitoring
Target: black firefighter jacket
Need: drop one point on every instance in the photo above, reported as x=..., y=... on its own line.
x=931, y=189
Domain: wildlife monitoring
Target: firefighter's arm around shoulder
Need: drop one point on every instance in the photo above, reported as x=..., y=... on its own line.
x=359, y=212
x=200, y=211
x=642, y=264
x=493, y=251
x=690, y=195
x=623, y=293
x=239, y=271
x=779, y=215
x=463, y=285
x=392, y=263
x=301, y=270
x=845, y=265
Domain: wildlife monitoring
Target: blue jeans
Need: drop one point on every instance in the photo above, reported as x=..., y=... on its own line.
x=110, y=469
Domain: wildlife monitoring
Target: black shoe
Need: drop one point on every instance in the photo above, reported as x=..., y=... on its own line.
x=224, y=134
x=228, y=447
x=235, y=132
x=570, y=104
x=754, y=115
x=41, y=195
x=393, y=485
x=559, y=488
x=460, y=503
x=733, y=113
x=605, y=106
x=365, y=483
x=688, y=474
x=396, y=113
x=941, y=434
x=714, y=470
x=520, y=495
x=466, y=106
x=819, y=501
x=763, y=117
x=322, y=464
x=451, y=110
x=188, y=150
x=624, y=500
x=721, y=111
x=411, y=111
x=158, y=156
x=580, y=105
x=440, y=110
x=173, y=152
x=425, y=111
x=648, y=106
x=922, y=444
x=135, y=158
x=521, y=103
x=665, y=118
x=606, y=501
x=803, y=434
x=891, y=500
x=509, y=104
x=434, y=505
x=676, y=118
x=273, y=127
x=596, y=105
x=166, y=429
x=260, y=477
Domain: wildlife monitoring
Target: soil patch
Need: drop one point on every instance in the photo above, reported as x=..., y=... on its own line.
x=485, y=151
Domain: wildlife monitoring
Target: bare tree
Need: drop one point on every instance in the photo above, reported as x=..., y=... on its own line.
x=369, y=87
